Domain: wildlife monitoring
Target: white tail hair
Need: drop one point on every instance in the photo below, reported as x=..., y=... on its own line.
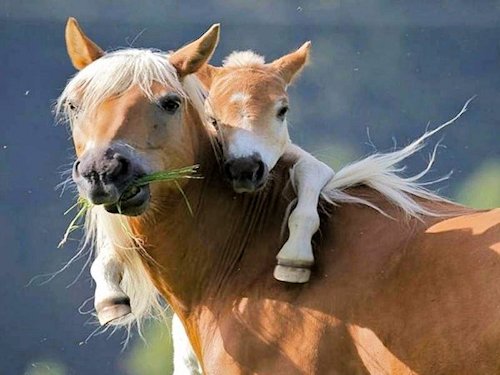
x=380, y=172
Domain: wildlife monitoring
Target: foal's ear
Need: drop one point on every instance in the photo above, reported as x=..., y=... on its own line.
x=206, y=75
x=289, y=66
x=190, y=58
x=81, y=50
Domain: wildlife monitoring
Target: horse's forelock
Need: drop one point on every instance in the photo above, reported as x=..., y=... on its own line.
x=116, y=72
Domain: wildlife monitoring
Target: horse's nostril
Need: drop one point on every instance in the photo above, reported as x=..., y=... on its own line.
x=120, y=165
x=119, y=157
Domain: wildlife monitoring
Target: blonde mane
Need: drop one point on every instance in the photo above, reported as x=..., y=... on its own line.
x=116, y=72
x=240, y=59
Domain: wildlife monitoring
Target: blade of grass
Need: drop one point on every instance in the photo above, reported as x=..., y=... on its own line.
x=175, y=174
x=83, y=205
x=185, y=198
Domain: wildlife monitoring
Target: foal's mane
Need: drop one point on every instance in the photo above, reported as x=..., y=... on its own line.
x=116, y=72
x=241, y=59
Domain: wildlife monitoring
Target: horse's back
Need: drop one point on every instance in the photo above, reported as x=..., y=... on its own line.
x=416, y=296
x=386, y=296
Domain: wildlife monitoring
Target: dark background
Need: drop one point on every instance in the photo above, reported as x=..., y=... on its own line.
x=386, y=66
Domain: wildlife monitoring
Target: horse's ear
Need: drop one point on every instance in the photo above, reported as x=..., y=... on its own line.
x=81, y=50
x=190, y=58
x=206, y=75
x=289, y=66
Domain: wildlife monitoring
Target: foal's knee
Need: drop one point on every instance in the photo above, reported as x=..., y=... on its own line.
x=305, y=219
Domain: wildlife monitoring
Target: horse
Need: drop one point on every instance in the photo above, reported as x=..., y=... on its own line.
x=404, y=283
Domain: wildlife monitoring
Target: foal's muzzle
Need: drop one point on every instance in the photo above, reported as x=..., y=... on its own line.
x=246, y=174
x=105, y=176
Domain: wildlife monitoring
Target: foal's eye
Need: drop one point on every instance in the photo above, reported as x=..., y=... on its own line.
x=170, y=103
x=282, y=112
x=213, y=121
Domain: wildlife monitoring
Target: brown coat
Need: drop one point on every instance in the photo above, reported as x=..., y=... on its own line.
x=386, y=296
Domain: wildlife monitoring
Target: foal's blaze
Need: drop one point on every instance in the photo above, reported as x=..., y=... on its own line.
x=248, y=104
x=128, y=125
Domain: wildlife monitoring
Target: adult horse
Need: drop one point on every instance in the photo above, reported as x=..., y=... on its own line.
x=389, y=293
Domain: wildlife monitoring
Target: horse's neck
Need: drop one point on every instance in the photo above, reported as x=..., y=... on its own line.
x=197, y=255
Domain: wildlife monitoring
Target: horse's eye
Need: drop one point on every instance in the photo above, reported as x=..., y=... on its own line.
x=170, y=103
x=282, y=112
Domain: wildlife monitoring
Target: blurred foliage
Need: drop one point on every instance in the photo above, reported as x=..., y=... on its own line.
x=46, y=367
x=482, y=188
x=154, y=356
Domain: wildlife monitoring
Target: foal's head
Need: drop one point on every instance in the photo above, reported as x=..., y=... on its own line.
x=128, y=111
x=248, y=104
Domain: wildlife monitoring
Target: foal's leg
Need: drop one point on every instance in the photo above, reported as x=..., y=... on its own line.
x=110, y=301
x=185, y=361
x=296, y=257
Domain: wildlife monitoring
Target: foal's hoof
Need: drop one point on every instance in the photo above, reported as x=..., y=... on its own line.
x=113, y=309
x=295, y=275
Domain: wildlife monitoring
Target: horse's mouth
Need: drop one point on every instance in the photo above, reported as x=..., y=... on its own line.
x=133, y=202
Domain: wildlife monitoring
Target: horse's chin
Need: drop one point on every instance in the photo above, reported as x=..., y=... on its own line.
x=131, y=205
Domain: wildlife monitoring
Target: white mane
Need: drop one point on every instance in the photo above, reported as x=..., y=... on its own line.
x=116, y=72
x=239, y=59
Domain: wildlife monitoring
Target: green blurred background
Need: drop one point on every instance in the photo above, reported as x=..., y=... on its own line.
x=381, y=70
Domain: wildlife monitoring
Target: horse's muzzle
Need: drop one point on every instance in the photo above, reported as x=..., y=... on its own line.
x=105, y=177
x=246, y=174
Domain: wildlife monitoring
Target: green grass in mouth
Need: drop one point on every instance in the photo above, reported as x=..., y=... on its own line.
x=82, y=205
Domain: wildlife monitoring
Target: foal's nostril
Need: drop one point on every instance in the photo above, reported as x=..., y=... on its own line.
x=228, y=169
x=259, y=173
x=249, y=169
x=247, y=174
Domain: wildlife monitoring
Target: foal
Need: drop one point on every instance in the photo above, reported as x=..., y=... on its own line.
x=247, y=104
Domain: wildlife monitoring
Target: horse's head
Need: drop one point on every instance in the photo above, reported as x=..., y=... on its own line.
x=127, y=111
x=248, y=104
